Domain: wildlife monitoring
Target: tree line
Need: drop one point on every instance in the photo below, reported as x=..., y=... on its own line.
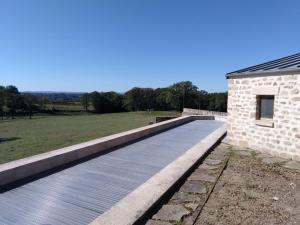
x=59, y=96
x=175, y=97
x=12, y=102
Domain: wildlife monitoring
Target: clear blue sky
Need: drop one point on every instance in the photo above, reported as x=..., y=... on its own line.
x=103, y=45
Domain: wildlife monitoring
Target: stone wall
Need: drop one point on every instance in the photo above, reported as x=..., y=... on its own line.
x=281, y=140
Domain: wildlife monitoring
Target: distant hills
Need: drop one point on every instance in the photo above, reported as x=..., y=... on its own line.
x=58, y=96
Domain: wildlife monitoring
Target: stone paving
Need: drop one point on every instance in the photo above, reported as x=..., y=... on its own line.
x=185, y=204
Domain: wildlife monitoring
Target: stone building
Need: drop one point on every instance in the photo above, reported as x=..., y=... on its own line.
x=264, y=107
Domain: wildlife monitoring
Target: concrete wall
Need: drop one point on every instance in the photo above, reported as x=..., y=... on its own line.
x=137, y=203
x=23, y=168
x=283, y=137
x=159, y=119
x=187, y=111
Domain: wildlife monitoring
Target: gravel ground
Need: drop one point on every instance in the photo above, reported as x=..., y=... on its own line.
x=251, y=191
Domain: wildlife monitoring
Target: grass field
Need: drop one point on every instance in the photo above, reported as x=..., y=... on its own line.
x=20, y=138
x=67, y=106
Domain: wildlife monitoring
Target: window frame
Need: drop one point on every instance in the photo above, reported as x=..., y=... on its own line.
x=264, y=121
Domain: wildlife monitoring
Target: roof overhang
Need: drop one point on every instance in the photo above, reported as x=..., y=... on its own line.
x=263, y=73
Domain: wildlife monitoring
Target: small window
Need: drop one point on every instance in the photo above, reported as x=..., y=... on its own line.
x=265, y=107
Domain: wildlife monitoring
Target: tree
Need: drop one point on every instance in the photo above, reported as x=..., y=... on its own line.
x=203, y=101
x=12, y=97
x=184, y=94
x=106, y=102
x=218, y=102
x=99, y=102
x=221, y=102
x=95, y=96
x=30, y=103
x=139, y=99
x=148, y=98
x=85, y=101
x=132, y=99
x=114, y=102
x=174, y=97
x=2, y=100
x=43, y=101
x=163, y=99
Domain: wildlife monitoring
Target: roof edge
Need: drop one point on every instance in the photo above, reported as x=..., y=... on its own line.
x=264, y=63
x=264, y=73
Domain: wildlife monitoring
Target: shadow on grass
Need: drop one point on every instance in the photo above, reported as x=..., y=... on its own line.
x=9, y=139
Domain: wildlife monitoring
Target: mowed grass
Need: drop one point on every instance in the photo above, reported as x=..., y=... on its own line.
x=21, y=138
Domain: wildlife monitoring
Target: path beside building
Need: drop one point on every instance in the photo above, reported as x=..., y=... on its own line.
x=235, y=186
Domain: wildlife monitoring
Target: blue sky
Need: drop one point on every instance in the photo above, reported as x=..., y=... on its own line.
x=70, y=45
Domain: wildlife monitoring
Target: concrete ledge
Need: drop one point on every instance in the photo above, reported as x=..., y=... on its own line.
x=267, y=90
x=221, y=118
x=23, y=168
x=203, y=117
x=188, y=111
x=136, y=204
x=159, y=119
x=264, y=123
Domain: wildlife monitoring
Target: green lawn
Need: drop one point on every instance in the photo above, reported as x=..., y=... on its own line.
x=20, y=138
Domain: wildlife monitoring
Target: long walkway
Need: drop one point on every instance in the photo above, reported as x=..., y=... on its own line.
x=79, y=194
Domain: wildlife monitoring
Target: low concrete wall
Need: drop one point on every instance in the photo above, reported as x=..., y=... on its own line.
x=187, y=112
x=159, y=119
x=135, y=205
x=23, y=168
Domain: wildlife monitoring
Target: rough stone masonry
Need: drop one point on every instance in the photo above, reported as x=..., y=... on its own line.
x=283, y=138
